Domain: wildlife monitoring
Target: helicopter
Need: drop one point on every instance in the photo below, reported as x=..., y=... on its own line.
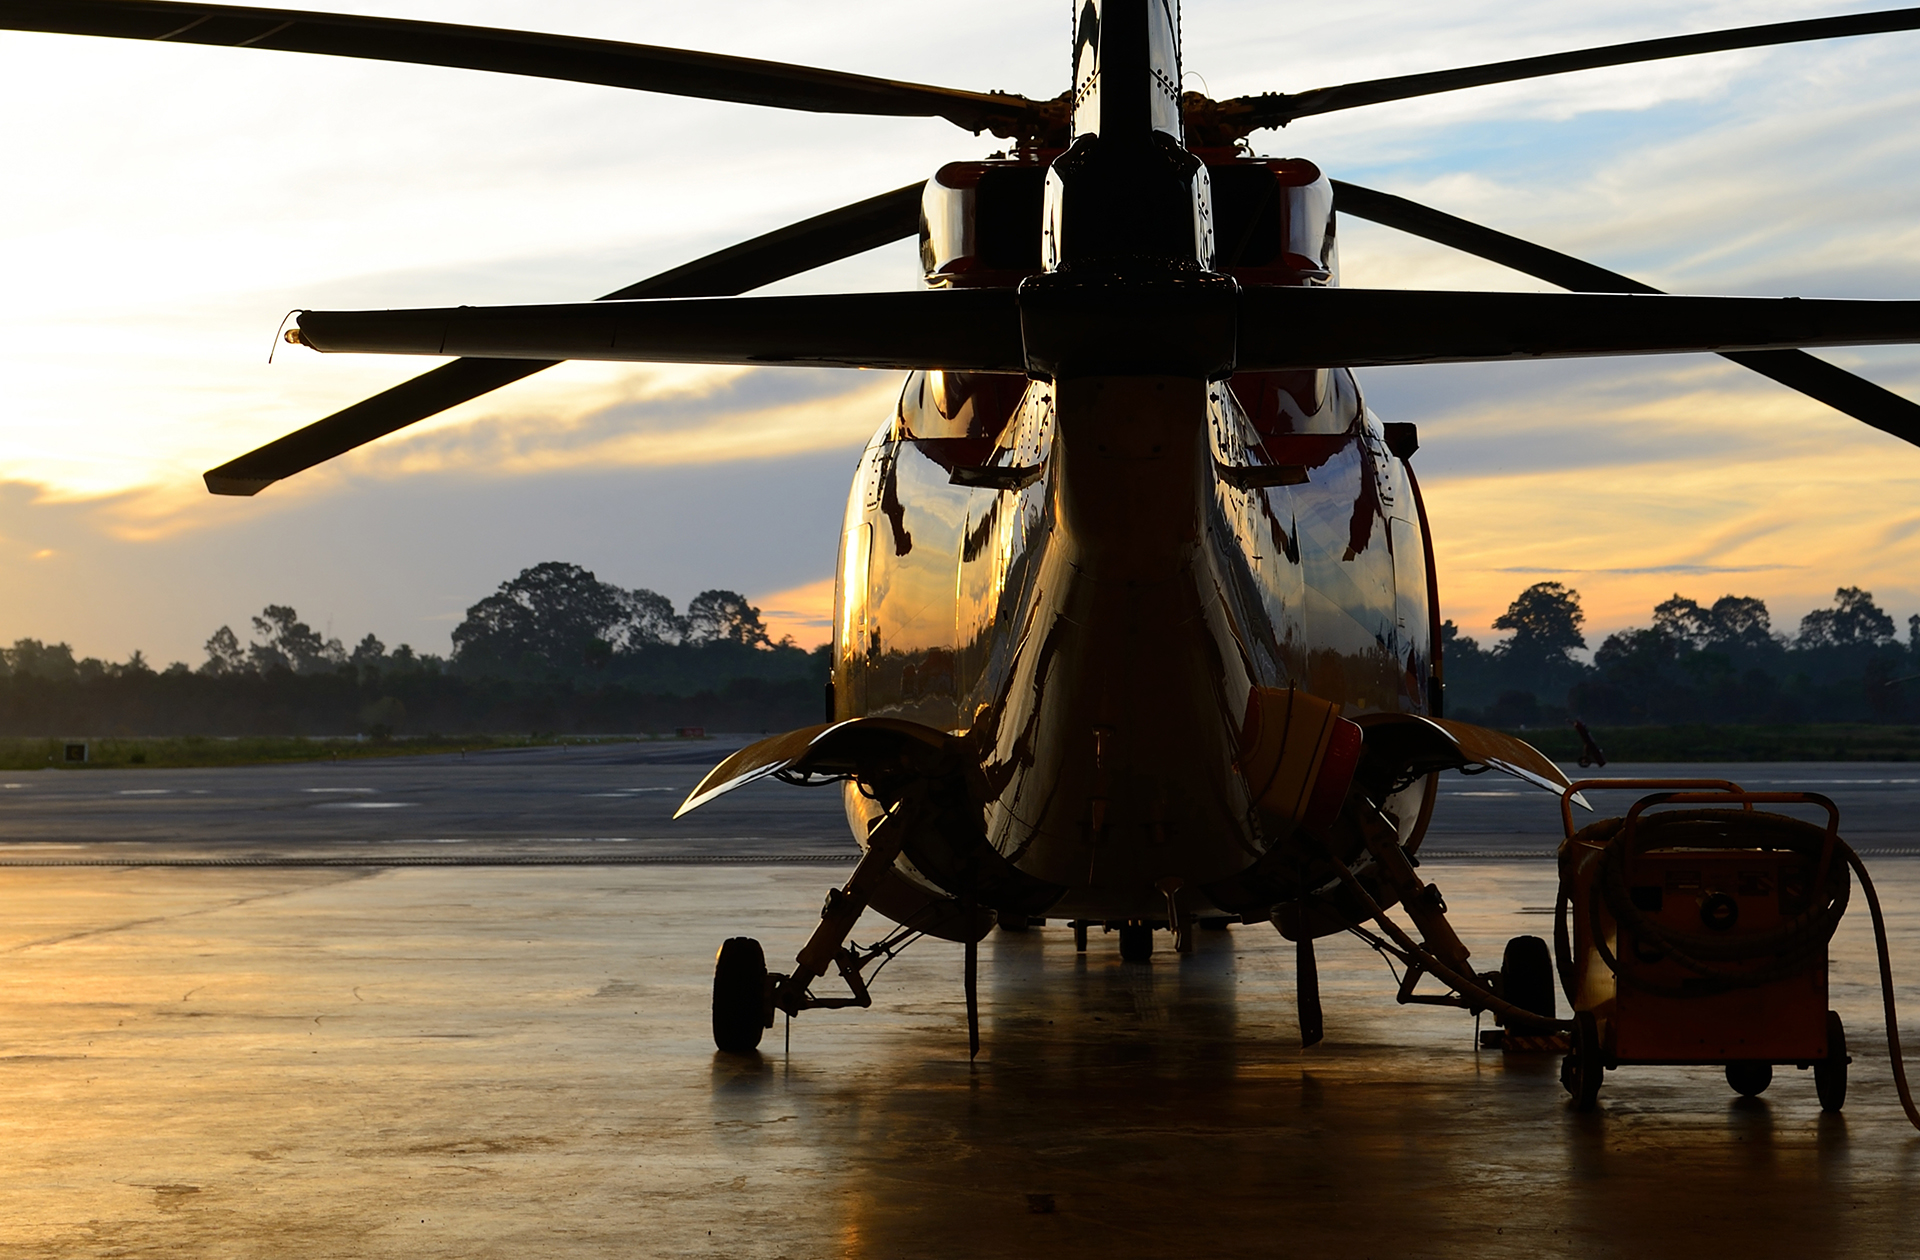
x=1137, y=615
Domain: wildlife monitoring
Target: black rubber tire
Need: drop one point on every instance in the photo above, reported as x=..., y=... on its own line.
x=1830, y=1073
x=1581, y=1071
x=739, y=995
x=1749, y=1078
x=1136, y=942
x=1080, y=936
x=1527, y=978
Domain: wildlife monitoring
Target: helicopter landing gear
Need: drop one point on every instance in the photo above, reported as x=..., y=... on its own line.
x=742, y=996
x=739, y=1015
x=1136, y=942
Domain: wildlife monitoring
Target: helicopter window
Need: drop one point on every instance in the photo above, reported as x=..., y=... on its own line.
x=1273, y=221
x=980, y=222
x=1007, y=217
x=1248, y=229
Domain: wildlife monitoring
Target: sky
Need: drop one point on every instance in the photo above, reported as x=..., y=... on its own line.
x=167, y=205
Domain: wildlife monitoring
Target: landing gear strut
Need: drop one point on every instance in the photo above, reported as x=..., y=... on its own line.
x=746, y=995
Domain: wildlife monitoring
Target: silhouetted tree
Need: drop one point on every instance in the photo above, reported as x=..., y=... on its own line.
x=224, y=653
x=650, y=621
x=1545, y=620
x=34, y=659
x=724, y=617
x=291, y=644
x=1854, y=621
x=547, y=617
x=369, y=652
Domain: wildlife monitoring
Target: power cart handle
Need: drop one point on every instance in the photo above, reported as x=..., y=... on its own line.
x=1573, y=789
x=1747, y=800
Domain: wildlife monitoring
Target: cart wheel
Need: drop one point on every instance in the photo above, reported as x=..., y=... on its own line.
x=1830, y=1073
x=1526, y=975
x=1748, y=1078
x=1136, y=942
x=1582, y=1069
x=740, y=995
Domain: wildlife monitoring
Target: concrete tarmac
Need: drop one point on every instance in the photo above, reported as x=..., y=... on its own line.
x=618, y=800
x=476, y=1062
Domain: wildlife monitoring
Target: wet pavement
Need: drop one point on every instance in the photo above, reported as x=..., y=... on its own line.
x=516, y=1062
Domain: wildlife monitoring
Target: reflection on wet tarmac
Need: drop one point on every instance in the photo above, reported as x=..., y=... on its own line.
x=474, y=1062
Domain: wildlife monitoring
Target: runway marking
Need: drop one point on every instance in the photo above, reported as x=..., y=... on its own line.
x=146, y=792
x=1489, y=794
x=334, y=789
x=366, y=805
x=1882, y=782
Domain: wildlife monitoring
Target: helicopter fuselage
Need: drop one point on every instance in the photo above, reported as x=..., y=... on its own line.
x=1088, y=578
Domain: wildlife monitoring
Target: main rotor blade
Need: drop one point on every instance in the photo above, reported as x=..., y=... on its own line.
x=788, y=251
x=1838, y=388
x=675, y=71
x=963, y=329
x=1282, y=328
x=981, y=329
x=1277, y=109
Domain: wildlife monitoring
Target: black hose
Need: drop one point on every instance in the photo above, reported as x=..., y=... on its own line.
x=1894, y=1055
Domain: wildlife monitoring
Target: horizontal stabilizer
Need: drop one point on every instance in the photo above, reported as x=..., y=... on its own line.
x=858, y=748
x=1276, y=328
x=1413, y=744
x=1283, y=328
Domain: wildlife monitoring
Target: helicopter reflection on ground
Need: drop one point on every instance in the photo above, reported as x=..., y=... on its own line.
x=469, y=1061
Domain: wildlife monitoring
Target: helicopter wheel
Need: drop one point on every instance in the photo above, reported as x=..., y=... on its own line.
x=1526, y=976
x=1749, y=1078
x=1136, y=942
x=740, y=996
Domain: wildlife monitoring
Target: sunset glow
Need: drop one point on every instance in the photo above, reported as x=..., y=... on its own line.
x=179, y=200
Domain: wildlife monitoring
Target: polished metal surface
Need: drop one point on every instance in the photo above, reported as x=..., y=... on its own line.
x=489, y=1062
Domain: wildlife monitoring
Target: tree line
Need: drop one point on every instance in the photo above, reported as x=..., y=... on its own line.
x=556, y=649
x=552, y=649
x=1718, y=662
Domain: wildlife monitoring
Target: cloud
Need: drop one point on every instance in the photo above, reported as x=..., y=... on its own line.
x=161, y=232
x=1691, y=570
x=405, y=558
